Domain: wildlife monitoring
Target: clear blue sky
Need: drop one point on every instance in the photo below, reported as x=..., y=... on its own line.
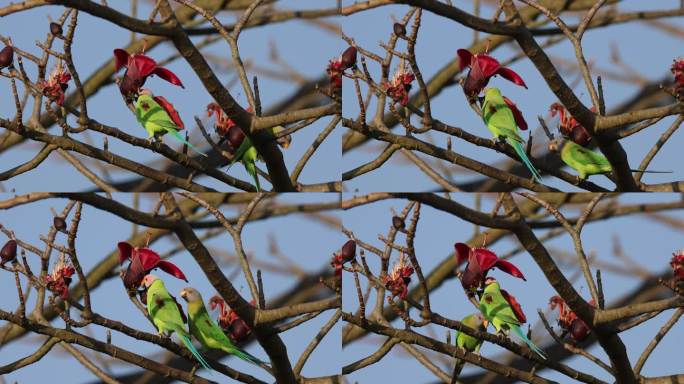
x=647, y=50
x=436, y=235
x=303, y=46
x=98, y=235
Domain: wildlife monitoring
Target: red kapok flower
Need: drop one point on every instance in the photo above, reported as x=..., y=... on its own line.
x=56, y=84
x=143, y=260
x=677, y=264
x=482, y=68
x=568, y=126
x=517, y=115
x=678, y=72
x=58, y=281
x=223, y=123
x=236, y=328
x=336, y=67
x=568, y=320
x=346, y=255
x=399, y=278
x=399, y=87
x=138, y=68
x=480, y=261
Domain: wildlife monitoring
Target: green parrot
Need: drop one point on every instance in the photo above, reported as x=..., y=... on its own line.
x=469, y=343
x=208, y=332
x=498, y=311
x=501, y=122
x=587, y=162
x=248, y=155
x=159, y=117
x=166, y=314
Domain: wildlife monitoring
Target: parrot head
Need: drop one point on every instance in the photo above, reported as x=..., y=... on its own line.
x=145, y=91
x=190, y=294
x=148, y=280
x=492, y=93
x=490, y=280
x=481, y=320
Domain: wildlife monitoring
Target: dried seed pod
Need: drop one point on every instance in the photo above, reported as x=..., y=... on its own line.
x=8, y=252
x=349, y=57
x=60, y=224
x=348, y=251
x=398, y=223
x=399, y=29
x=6, y=57
x=55, y=29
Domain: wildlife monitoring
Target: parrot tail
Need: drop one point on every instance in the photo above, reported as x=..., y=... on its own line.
x=458, y=367
x=644, y=171
x=249, y=358
x=240, y=152
x=521, y=152
x=193, y=350
x=180, y=138
x=518, y=332
x=250, y=167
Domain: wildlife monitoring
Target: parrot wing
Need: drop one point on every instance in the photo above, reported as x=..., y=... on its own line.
x=586, y=156
x=170, y=110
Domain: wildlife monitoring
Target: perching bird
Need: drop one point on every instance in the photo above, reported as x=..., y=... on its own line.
x=472, y=344
x=208, y=332
x=248, y=155
x=159, y=117
x=501, y=123
x=497, y=310
x=166, y=314
x=587, y=162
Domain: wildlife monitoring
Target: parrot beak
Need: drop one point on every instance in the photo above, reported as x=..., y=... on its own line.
x=184, y=294
x=485, y=323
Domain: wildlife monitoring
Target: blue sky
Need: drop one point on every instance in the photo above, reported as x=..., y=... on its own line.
x=646, y=50
x=98, y=235
x=303, y=46
x=438, y=231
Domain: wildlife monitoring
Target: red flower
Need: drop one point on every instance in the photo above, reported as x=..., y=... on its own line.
x=568, y=320
x=399, y=87
x=336, y=67
x=517, y=115
x=399, y=278
x=482, y=68
x=677, y=264
x=56, y=84
x=678, y=72
x=480, y=261
x=60, y=278
x=170, y=110
x=568, y=126
x=225, y=126
x=138, y=68
x=236, y=328
x=143, y=260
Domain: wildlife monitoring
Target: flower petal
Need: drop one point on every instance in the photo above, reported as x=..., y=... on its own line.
x=485, y=258
x=120, y=59
x=168, y=76
x=517, y=115
x=124, y=251
x=517, y=309
x=144, y=64
x=169, y=108
x=134, y=274
x=148, y=258
x=464, y=58
x=511, y=76
x=509, y=268
x=171, y=269
x=462, y=251
x=489, y=65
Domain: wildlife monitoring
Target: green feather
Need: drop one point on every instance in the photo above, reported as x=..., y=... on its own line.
x=501, y=123
x=585, y=161
x=166, y=316
x=496, y=309
x=156, y=121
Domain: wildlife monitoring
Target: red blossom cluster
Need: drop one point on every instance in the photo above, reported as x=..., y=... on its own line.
x=399, y=87
x=677, y=264
x=336, y=67
x=347, y=254
x=236, y=328
x=225, y=126
x=678, y=72
x=55, y=85
x=568, y=320
x=143, y=260
x=399, y=278
x=58, y=281
x=138, y=68
x=568, y=126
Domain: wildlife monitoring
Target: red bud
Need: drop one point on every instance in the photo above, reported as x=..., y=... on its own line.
x=349, y=58
x=55, y=29
x=399, y=29
x=348, y=251
x=8, y=252
x=6, y=57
